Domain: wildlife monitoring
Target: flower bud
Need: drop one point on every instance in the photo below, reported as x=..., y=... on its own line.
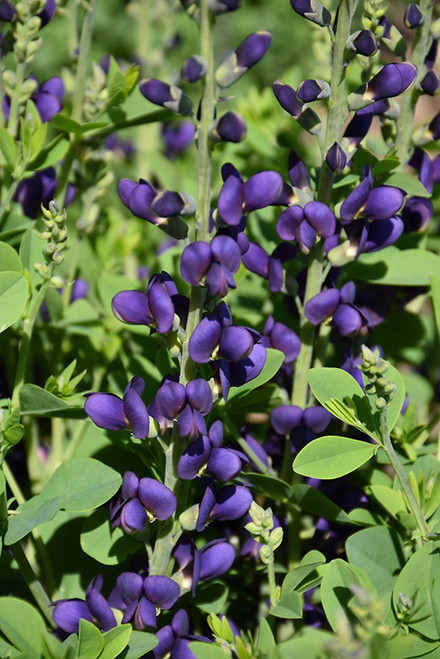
x=430, y=83
x=413, y=17
x=392, y=80
x=231, y=127
x=248, y=53
x=336, y=158
x=312, y=10
x=362, y=42
x=313, y=90
x=194, y=68
x=168, y=96
x=287, y=98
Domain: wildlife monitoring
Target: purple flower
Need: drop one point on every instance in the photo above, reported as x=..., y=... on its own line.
x=213, y=264
x=177, y=136
x=154, y=308
x=140, y=599
x=392, y=80
x=338, y=305
x=363, y=42
x=47, y=97
x=38, y=190
x=237, y=198
x=189, y=405
x=336, y=158
x=413, y=17
x=379, y=203
x=287, y=98
x=312, y=10
x=230, y=127
x=110, y=412
x=301, y=425
x=313, y=90
x=212, y=560
x=305, y=224
x=248, y=53
x=270, y=267
x=168, y=96
x=67, y=613
x=282, y=338
x=194, y=68
x=231, y=502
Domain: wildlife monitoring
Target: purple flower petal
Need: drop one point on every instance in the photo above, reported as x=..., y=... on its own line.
x=68, y=613
x=287, y=98
x=320, y=217
x=252, y=49
x=347, y=320
x=161, y=307
x=392, y=80
x=195, y=262
x=170, y=399
x=145, y=614
x=180, y=623
x=194, y=457
x=286, y=418
x=355, y=200
x=306, y=237
x=316, y=418
x=191, y=423
x=166, y=642
x=206, y=505
x=136, y=413
x=382, y=202
x=157, y=498
x=385, y=233
x=225, y=250
x=199, y=395
x=322, y=306
x=205, y=339
x=133, y=516
x=163, y=592
x=216, y=558
x=223, y=464
x=127, y=590
x=101, y=610
x=47, y=105
x=130, y=484
x=256, y=260
x=262, y=189
x=289, y=221
x=139, y=201
x=218, y=280
x=247, y=369
x=231, y=200
x=235, y=343
x=232, y=502
x=285, y=339
x=348, y=293
x=106, y=411
x=216, y=434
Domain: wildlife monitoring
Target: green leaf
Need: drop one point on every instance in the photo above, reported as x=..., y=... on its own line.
x=289, y=606
x=207, y=650
x=9, y=259
x=31, y=251
x=22, y=625
x=435, y=298
x=115, y=640
x=90, y=642
x=314, y=501
x=420, y=582
x=271, y=367
x=332, y=457
x=29, y=515
x=395, y=267
x=336, y=591
x=66, y=124
x=36, y=401
x=266, y=641
x=341, y=395
x=305, y=648
x=7, y=148
x=212, y=597
x=379, y=552
x=139, y=644
x=407, y=182
x=391, y=500
x=106, y=545
x=308, y=564
x=50, y=154
x=14, y=293
x=85, y=483
x=275, y=488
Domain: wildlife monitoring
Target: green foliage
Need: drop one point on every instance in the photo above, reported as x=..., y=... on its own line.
x=332, y=457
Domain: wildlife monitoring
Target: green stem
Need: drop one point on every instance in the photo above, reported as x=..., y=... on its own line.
x=34, y=585
x=265, y=469
x=28, y=327
x=418, y=54
x=6, y=203
x=167, y=533
x=401, y=476
x=14, y=110
x=83, y=60
x=40, y=547
x=272, y=580
x=316, y=257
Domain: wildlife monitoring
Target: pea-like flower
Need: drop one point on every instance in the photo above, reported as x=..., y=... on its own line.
x=248, y=53
x=189, y=405
x=312, y=10
x=305, y=224
x=379, y=203
x=231, y=502
x=212, y=560
x=338, y=305
x=177, y=136
x=154, y=308
x=111, y=412
x=95, y=608
x=301, y=425
x=279, y=336
x=213, y=264
x=141, y=599
x=392, y=80
x=168, y=96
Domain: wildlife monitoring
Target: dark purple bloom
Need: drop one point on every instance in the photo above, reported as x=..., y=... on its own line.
x=336, y=158
x=48, y=98
x=153, y=308
x=287, y=98
x=270, y=267
x=237, y=198
x=231, y=502
x=212, y=560
x=194, y=68
x=213, y=264
x=413, y=17
x=305, y=224
x=301, y=425
x=392, y=80
x=39, y=189
x=188, y=405
x=177, y=136
x=313, y=90
x=282, y=338
x=430, y=83
x=95, y=608
x=417, y=214
x=248, y=53
x=168, y=96
x=156, y=498
x=113, y=413
x=434, y=127
x=312, y=10
x=338, y=304
x=378, y=203
x=363, y=42
x=230, y=127
x=47, y=13
x=7, y=11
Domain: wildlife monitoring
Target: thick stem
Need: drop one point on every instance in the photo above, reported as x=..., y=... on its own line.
x=167, y=534
x=401, y=476
x=316, y=257
x=418, y=54
x=83, y=60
